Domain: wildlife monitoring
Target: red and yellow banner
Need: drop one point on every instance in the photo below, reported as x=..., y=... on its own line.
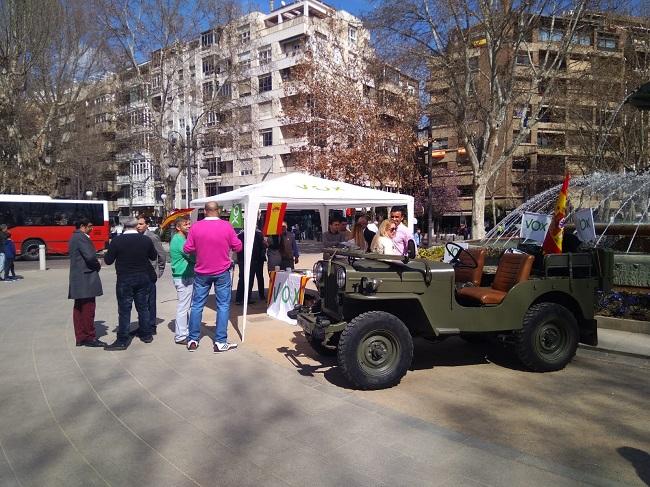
x=175, y=214
x=553, y=240
x=274, y=218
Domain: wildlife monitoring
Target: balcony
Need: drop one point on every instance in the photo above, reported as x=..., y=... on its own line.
x=138, y=201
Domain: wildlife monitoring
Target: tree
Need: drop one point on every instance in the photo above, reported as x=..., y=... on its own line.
x=44, y=68
x=481, y=62
x=154, y=49
x=349, y=120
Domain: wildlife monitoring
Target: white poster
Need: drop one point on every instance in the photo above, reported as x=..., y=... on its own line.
x=534, y=226
x=447, y=257
x=584, y=220
x=286, y=289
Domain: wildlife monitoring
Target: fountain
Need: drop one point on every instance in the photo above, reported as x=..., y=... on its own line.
x=621, y=209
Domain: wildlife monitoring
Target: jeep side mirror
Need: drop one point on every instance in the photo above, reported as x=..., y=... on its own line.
x=410, y=249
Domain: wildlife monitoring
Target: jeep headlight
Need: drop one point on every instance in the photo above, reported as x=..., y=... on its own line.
x=318, y=272
x=340, y=277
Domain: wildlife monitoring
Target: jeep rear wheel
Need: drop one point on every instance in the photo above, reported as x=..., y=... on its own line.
x=324, y=347
x=375, y=350
x=548, y=339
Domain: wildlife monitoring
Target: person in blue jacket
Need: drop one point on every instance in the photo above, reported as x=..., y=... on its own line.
x=10, y=256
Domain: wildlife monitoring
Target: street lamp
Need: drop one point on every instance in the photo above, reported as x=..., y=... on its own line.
x=89, y=194
x=185, y=142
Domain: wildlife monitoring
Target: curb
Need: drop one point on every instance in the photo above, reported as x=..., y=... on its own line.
x=623, y=324
x=614, y=352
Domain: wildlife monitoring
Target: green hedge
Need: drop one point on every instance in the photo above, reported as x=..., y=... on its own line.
x=435, y=252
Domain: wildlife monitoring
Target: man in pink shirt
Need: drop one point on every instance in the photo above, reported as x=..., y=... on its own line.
x=402, y=235
x=211, y=241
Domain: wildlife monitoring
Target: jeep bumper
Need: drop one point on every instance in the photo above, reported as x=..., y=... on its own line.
x=319, y=325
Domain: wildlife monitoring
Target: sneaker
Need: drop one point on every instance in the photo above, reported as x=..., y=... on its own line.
x=181, y=342
x=192, y=345
x=223, y=347
x=147, y=339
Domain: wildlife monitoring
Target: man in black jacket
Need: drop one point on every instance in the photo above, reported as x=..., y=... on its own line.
x=257, y=268
x=132, y=253
x=161, y=260
x=84, y=285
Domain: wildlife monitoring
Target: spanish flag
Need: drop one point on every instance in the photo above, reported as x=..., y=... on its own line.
x=553, y=240
x=274, y=218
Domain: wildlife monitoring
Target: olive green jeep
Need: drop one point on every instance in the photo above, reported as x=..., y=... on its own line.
x=371, y=306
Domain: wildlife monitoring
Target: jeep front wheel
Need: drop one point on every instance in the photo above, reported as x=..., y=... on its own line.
x=375, y=350
x=548, y=339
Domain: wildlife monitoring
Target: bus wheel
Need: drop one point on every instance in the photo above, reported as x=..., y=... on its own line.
x=30, y=249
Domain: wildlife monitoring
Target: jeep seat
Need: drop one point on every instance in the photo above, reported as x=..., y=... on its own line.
x=512, y=269
x=467, y=274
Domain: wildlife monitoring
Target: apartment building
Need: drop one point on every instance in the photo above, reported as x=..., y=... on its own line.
x=219, y=104
x=608, y=58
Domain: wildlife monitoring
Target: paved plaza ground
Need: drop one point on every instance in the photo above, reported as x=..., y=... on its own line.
x=274, y=413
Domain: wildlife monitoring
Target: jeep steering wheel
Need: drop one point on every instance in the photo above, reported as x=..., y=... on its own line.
x=455, y=251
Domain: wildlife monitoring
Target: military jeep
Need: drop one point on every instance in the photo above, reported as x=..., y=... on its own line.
x=371, y=306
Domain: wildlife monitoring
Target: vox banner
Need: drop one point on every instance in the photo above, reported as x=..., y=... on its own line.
x=236, y=216
x=584, y=220
x=534, y=226
x=286, y=289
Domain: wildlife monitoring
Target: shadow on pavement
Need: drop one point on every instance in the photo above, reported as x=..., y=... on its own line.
x=639, y=459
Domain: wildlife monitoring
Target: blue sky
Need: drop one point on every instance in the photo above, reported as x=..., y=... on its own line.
x=355, y=7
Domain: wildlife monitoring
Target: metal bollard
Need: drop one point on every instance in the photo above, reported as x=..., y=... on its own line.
x=41, y=257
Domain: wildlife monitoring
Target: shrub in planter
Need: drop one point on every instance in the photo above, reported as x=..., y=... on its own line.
x=622, y=304
x=435, y=252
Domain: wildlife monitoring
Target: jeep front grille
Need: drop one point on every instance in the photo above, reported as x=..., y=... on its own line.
x=331, y=290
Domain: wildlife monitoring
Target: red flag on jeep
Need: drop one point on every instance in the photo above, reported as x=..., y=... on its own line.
x=553, y=240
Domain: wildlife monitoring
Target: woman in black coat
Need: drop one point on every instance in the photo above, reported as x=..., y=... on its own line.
x=85, y=284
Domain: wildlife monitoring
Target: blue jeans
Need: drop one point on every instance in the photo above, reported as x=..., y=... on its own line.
x=222, y=289
x=133, y=288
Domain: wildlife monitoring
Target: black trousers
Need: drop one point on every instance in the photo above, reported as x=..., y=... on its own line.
x=257, y=271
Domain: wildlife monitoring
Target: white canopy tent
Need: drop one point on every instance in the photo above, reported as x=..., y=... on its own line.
x=302, y=192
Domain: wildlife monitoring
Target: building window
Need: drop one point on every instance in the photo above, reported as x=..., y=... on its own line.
x=266, y=137
x=244, y=114
x=550, y=140
x=265, y=110
x=246, y=140
x=208, y=90
x=155, y=81
x=211, y=118
x=246, y=167
x=210, y=189
x=225, y=167
x=581, y=39
x=245, y=35
x=285, y=74
x=265, y=83
x=244, y=88
x=244, y=60
x=473, y=63
x=207, y=39
x=226, y=90
x=523, y=59
x=607, y=43
x=525, y=140
x=211, y=165
x=550, y=35
x=180, y=74
x=352, y=35
x=264, y=54
x=181, y=124
x=208, y=65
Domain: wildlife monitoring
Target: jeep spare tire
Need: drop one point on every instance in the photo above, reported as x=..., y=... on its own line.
x=375, y=350
x=548, y=339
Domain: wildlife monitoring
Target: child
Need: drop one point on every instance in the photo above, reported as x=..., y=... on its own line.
x=10, y=256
